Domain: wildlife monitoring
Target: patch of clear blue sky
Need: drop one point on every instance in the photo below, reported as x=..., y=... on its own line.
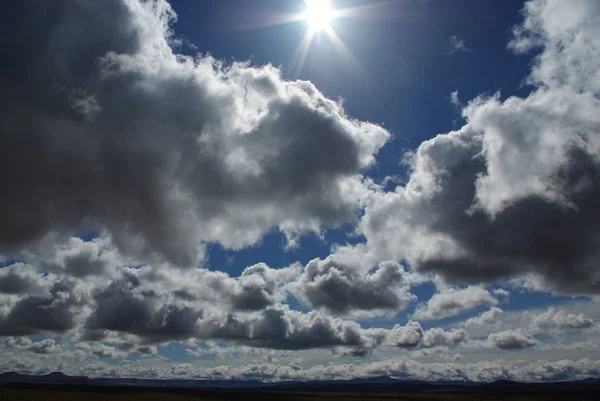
x=7, y=262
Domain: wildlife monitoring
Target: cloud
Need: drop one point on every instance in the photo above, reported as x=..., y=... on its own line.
x=281, y=328
x=224, y=352
x=16, y=342
x=130, y=306
x=490, y=316
x=455, y=100
x=513, y=191
x=458, y=45
x=554, y=319
x=408, y=336
x=59, y=309
x=78, y=258
x=257, y=287
x=438, y=337
x=412, y=336
x=109, y=128
x=450, y=302
x=485, y=371
x=511, y=340
x=45, y=346
x=20, y=278
x=139, y=306
x=549, y=22
x=101, y=350
x=346, y=283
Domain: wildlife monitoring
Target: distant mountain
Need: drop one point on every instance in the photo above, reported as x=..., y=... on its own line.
x=54, y=377
x=59, y=377
x=381, y=383
x=232, y=384
x=505, y=383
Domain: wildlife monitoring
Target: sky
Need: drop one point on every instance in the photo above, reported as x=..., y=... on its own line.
x=233, y=190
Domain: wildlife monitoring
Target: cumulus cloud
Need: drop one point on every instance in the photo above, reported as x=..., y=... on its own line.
x=412, y=336
x=257, y=287
x=488, y=371
x=130, y=306
x=438, y=337
x=145, y=305
x=124, y=298
x=346, y=283
x=110, y=128
x=450, y=302
x=282, y=328
x=514, y=190
x=408, y=336
x=60, y=308
x=489, y=316
x=101, y=350
x=45, y=346
x=20, y=278
x=554, y=319
x=511, y=340
x=76, y=257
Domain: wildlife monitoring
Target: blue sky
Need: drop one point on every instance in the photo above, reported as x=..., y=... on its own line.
x=413, y=197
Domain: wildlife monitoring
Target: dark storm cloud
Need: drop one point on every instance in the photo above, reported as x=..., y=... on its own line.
x=20, y=278
x=119, y=307
x=105, y=126
x=53, y=311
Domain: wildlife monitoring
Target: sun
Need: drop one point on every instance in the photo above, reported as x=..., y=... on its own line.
x=318, y=14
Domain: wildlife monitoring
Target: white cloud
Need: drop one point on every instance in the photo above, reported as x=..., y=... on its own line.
x=412, y=336
x=488, y=371
x=455, y=100
x=487, y=317
x=554, y=319
x=451, y=302
x=458, y=45
x=43, y=347
x=511, y=340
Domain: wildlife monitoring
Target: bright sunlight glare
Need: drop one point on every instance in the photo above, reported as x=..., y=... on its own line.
x=318, y=14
